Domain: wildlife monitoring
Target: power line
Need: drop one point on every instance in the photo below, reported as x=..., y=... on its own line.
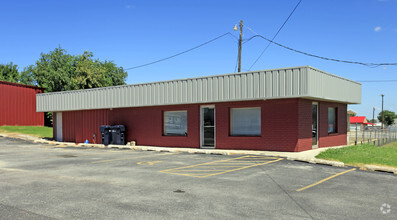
x=373, y=65
x=263, y=51
x=175, y=55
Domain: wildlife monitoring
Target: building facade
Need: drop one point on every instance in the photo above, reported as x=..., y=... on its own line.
x=18, y=105
x=289, y=109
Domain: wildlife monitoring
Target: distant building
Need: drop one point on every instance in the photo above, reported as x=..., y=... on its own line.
x=18, y=105
x=359, y=123
x=351, y=113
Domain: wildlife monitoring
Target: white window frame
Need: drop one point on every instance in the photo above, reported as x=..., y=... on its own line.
x=246, y=135
x=174, y=134
x=202, y=126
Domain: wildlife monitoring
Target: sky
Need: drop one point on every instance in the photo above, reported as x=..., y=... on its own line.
x=136, y=32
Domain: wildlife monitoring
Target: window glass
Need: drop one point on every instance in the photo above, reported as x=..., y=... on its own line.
x=245, y=122
x=332, y=120
x=175, y=123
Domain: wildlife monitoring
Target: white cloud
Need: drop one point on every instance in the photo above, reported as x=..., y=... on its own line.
x=129, y=6
x=378, y=28
x=385, y=67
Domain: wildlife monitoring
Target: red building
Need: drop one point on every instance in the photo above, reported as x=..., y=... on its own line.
x=359, y=123
x=18, y=105
x=290, y=109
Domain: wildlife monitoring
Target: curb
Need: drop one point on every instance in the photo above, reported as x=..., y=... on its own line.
x=380, y=168
x=318, y=161
x=153, y=148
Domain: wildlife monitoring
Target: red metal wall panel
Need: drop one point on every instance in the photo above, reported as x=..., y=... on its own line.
x=286, y=125
x=79, y=126
x=18, y=105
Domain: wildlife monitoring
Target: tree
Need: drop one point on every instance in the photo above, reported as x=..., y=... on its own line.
x=26, y=77
x=389, y=117
x=60, y=71
x=53, y=70
x=9, y=72
x=90, y=73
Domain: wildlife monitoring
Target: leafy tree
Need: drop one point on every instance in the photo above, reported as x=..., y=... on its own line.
x=389, y=117
x=26, y=77
x=90, y=73
x=113, y=74
x=53, y=70
x=59, y=71
x=9, y=72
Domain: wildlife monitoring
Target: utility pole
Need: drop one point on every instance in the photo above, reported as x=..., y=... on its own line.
x=240, y=45
x=383, y=114
x=373, y=116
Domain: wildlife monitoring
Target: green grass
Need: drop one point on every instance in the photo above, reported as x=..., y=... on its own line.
x=38, y=131
x=363, y=154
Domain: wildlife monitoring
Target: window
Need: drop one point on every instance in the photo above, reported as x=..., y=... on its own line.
x=175, y=123
x=332, y=120
x=245, y=122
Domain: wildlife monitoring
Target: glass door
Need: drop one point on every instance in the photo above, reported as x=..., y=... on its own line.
x=315, y=125
x=208, y=126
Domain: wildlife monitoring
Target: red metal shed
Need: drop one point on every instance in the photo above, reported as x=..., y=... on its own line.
x=18, y=105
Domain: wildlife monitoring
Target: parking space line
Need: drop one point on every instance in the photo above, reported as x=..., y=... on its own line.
x=130, y=158
x=243, y=162
x=229, y=165
x=198, y=170
x=323, y=180
x=252, y=161
x=245, y=167
x=222, y=165
x=204, y=163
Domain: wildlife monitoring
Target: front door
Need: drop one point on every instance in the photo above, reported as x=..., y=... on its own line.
x=315, y=125
x=208, y=127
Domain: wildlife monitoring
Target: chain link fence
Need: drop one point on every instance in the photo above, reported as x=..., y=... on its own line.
x=377, y=137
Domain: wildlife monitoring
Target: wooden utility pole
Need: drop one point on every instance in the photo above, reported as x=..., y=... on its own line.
x=383, y=114
x=239, y=46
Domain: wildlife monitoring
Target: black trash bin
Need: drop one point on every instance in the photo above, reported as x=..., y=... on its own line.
x=118, y=134
x=105, y=134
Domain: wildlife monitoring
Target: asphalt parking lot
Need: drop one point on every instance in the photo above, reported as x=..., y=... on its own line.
x=47, y=182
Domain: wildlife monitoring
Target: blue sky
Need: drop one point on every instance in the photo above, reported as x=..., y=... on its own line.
x=134, y=32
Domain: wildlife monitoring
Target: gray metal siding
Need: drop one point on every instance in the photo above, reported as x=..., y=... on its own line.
x=305, y=82
x=331, y=87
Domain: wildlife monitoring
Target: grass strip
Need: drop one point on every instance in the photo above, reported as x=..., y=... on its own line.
x=363, y=154
x=38, y=131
